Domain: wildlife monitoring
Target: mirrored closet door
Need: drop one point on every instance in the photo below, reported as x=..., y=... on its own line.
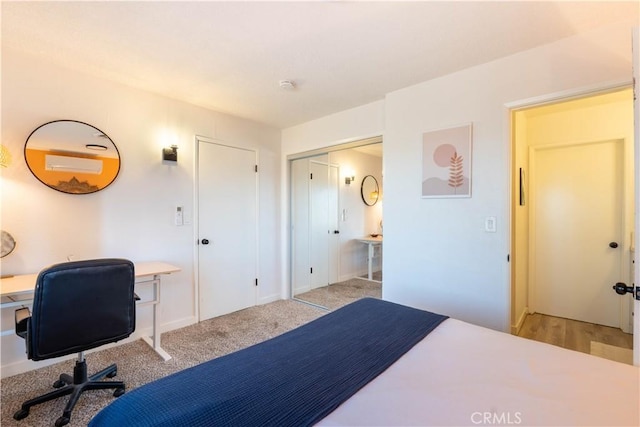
x=336, y=226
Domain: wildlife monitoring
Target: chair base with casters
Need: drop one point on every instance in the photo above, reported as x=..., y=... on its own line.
x=101, y=293
x=74, y=386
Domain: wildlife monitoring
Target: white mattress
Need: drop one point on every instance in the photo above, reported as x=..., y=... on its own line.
x=462, y=374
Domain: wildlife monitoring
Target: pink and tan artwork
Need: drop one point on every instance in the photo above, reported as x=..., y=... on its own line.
x=446, y=162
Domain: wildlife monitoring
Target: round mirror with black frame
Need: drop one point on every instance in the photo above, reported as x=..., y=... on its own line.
x=369, y=190
x=8, y=243
x=72, y=157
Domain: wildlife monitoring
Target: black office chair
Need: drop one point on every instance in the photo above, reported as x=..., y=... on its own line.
x=78, y=306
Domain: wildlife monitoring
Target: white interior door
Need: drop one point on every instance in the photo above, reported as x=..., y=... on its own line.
x=577, y=217
x=314, y=220
x=227, y=227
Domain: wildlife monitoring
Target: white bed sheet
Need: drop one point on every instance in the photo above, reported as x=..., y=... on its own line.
x=462, y=374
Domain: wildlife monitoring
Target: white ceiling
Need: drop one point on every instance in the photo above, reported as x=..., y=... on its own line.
x=230, y=56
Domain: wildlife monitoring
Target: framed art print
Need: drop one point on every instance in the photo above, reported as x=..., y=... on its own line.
x=446, y=162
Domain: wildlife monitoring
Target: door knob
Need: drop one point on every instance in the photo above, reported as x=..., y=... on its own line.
x=205, y=241
x=613, y=245
x=622, y=288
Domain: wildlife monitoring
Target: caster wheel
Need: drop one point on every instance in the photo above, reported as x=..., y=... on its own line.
x=59, y=383
x=112, y=374
x=20, y=414
x=119, y=392
x=62, y=421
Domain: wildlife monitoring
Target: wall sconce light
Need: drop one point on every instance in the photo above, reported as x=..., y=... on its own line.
x=349, y=179
x=170, y=154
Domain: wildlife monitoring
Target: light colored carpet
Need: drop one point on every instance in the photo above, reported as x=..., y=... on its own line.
x=138, y=364
x=342, y=293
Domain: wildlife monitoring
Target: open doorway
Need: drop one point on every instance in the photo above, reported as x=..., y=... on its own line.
x=336, y=224
x=572, y=221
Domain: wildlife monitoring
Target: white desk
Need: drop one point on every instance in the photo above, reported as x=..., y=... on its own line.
x=18, y=290
x=370, y=242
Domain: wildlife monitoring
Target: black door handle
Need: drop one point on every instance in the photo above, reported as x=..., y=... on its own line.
x=613, y=245
x=336, y=231
x=205, y=241
x=622, y=288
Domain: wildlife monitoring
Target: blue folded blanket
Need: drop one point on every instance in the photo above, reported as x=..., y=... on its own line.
x=294, y=379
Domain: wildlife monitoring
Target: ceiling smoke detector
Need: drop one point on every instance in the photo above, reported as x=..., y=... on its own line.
x=287, y=84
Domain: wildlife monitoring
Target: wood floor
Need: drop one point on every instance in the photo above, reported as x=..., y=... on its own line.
x=572, y=334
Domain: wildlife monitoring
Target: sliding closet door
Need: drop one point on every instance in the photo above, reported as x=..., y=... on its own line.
x=314, y=228
x=319, y=223
x=300, y=261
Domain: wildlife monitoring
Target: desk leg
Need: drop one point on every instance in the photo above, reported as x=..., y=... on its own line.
x=155, y=341
x=370, y=261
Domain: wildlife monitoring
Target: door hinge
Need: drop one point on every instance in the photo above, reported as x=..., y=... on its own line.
x=310, y=176
x=311, y=269
x=256, y=281
x=256, y=169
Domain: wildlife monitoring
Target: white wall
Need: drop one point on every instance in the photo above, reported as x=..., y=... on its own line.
x=133, y=218
x=437, y=254
x=350, y=125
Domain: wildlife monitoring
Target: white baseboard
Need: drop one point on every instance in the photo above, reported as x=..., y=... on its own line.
x=301, y=290
x=515, y=329
x=176, y=324
x=25, y=365
x=269, y=298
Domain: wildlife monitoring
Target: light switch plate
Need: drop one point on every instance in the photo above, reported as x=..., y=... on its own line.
x=490, y=224
x=179, y=216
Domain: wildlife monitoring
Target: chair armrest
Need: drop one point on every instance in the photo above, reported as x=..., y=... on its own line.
x=22, y=316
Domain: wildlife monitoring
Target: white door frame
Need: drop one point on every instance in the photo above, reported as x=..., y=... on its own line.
x=196, y=214
x=636, y=116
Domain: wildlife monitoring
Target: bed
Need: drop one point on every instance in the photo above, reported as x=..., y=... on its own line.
x=376, y=363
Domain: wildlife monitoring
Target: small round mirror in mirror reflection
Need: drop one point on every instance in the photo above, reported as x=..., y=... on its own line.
x=72, y=157
x=369, y=190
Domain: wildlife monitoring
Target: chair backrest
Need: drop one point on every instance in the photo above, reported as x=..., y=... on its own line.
x=81, y=305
